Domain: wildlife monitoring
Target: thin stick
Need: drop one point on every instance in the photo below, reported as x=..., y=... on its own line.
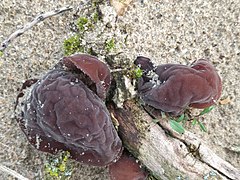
x=36, y=20
x=118, y=70
x=12, y=172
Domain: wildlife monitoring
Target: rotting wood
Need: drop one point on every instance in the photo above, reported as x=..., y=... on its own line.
x=165, y=152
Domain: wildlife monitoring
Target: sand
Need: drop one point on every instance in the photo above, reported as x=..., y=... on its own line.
x=165, y=31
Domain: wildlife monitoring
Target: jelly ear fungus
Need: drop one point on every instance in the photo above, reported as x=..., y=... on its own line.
x=173, y=87
x=65, y=111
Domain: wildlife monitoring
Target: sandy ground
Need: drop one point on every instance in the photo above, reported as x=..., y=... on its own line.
x=166, y=31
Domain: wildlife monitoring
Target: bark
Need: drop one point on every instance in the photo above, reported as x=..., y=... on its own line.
x=167, y=154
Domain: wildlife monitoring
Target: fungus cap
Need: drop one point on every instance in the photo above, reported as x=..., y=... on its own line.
x=97, y=70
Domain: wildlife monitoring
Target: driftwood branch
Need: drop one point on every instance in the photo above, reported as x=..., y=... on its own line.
x=164, y=152
x=36, y=20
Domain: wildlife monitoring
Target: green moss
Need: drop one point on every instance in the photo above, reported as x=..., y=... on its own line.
x=95, y=17
x=110, y=45
x=72, y=45
x=1, y=53
x=134, y=72
x=86, y=24
x=82, y=23
x=138, y=72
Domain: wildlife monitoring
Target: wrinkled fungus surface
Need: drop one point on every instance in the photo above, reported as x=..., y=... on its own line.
x=63, y=112
x=174, y=87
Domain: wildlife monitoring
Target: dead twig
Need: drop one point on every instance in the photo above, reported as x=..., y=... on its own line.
x=36, y=20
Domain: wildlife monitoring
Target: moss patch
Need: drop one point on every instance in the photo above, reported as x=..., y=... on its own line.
x=72, y=45
x=110, y=45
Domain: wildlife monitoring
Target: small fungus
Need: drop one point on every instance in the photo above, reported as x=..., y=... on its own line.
x=64, y=112
x=127, y=168
x=174, y=87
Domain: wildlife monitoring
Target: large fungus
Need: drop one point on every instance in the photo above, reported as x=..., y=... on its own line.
x=65, y=111
x=174, y=87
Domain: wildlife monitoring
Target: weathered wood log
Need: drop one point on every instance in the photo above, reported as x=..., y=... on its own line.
x=167, y=154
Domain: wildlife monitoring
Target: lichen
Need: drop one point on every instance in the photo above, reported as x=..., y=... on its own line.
x=58, y=167
x=124, y=89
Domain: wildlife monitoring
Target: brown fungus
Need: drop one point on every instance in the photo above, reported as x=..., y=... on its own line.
x=127, y=168
x=98, y=71
x=174, y=87
x=63, y=112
